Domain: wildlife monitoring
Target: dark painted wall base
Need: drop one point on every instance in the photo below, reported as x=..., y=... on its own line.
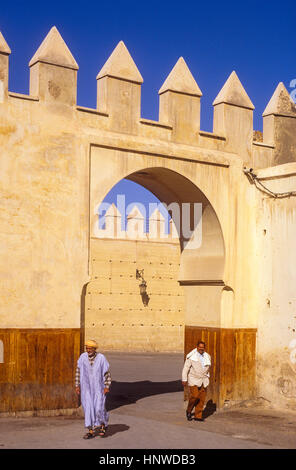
x=38, y=369
x=39, y=366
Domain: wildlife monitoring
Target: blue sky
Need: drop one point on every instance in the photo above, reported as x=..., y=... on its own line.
x=134, y=194
x=256, y=39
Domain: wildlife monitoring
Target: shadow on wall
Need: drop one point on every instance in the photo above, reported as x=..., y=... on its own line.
x=145, y=299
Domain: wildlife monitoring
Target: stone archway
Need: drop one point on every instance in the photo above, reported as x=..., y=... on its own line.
x=200, y=275
x=214, y=305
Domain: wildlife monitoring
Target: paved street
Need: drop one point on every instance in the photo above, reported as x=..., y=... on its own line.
x=147, y=411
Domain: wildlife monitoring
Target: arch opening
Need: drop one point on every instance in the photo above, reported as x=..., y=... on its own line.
x=184, y=280
x=181, y=280
x=195, y=220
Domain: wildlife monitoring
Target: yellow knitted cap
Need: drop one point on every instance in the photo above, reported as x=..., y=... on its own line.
x=91, y=343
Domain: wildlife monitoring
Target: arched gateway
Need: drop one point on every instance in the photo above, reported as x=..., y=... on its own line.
x=59, y=160
x=109, y=296
x=208, y=292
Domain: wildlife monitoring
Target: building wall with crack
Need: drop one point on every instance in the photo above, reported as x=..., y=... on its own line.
x=276, y=361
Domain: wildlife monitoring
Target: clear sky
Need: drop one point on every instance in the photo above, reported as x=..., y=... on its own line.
x=125, y=195
x=254, y=38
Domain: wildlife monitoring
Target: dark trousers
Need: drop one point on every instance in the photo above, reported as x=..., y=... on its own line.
x=197, y=397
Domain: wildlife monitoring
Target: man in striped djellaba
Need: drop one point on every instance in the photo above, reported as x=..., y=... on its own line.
x=92, y=383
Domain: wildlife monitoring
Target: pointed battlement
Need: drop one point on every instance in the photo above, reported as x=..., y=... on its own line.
x=279, y=126
x=121, y=65
x=280, y=103
x=4, y=64
x=119, y=90
x=53, y=71
x=135, y=224
x=112, y=211
x=113, y=222
x=233, y=117
x=53, y=50
x=53, y=81
x=181, y=80
x=157, y=225
x=233, y=93
x=4, y=47
x=179, y=103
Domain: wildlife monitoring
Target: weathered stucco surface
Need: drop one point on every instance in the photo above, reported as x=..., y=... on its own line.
x=276, y=232
x=58, y=162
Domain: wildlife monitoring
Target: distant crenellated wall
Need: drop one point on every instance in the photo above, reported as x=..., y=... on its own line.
x=109, y=225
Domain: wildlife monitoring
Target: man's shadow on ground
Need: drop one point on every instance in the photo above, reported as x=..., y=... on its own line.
x=210, y=409
x=127, y=393
x=115, y=428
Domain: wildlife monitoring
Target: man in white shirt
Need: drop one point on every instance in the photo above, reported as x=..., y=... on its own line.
x=196, y=375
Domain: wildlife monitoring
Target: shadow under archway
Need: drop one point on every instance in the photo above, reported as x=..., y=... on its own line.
x=202, y=261
x=127, y=393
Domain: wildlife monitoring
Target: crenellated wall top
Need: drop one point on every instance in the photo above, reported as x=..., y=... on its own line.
x=53, y=82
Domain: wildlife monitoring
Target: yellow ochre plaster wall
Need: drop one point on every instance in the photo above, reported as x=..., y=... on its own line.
x=58, y=162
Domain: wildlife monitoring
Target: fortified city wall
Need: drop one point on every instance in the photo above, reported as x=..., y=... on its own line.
x=58, y=162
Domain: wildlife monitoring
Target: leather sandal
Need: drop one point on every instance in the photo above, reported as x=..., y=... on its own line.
x=89, y=435
x=102, y=430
